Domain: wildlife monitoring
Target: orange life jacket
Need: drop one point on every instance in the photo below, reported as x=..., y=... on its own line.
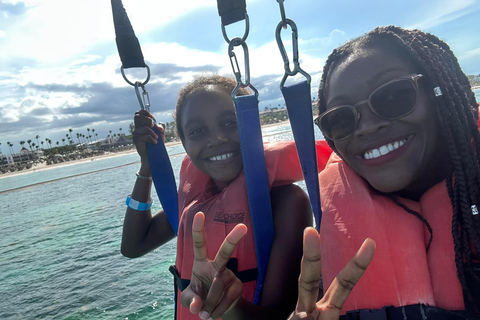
x=228, y=208
x=401, y=272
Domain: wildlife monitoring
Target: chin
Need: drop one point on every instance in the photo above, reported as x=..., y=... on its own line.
x=386, y=185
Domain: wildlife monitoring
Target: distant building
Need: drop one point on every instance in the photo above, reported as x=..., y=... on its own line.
x=22, y=156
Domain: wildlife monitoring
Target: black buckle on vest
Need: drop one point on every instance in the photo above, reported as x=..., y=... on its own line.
x=368, y=314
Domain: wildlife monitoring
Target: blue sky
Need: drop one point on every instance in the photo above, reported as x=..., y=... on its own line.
x=59, y=67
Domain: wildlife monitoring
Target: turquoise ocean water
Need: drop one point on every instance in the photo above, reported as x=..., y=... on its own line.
x=60, y=244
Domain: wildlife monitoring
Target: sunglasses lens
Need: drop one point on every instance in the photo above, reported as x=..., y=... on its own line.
x=338, y=124
x=395, y=99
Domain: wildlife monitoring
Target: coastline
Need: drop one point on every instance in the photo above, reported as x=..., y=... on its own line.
x=43, y=166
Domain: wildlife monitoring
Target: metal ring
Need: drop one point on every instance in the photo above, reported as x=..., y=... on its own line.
x=245, y=34
x=133, y=84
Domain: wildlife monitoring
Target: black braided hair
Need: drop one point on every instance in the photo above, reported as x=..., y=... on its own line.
x=457, y=110
x=203, y=84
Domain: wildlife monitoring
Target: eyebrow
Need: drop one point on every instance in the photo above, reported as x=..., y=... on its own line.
x=372, y=81
x=194, y=121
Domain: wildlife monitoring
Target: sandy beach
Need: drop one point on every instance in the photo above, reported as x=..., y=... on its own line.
x=44, y=166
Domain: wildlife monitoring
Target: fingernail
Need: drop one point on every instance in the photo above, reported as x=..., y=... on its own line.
x=203, y=315
x=156, y=137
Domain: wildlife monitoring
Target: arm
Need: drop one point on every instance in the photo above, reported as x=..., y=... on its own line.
x=143, y=232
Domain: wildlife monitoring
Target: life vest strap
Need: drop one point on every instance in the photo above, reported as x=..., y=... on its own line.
x=410, y=312
x=244, y=276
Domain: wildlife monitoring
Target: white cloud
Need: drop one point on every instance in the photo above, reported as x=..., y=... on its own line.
x=475, y=53
x=442, y=12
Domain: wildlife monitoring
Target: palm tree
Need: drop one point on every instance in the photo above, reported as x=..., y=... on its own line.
x=36, y=137
x=1, y=153
x=120, y=131
x=70, y=130
x=41, y=143
x=21, y=143
x=78, y=137
x=30, y=144
x=131, y=127
x=57, y=143
x=10, y=147
x=63, y=140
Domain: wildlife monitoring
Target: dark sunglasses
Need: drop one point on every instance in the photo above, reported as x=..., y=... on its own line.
x=392, y=100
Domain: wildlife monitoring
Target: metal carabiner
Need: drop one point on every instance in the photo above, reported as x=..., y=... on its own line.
x=282, y=13
x=144, y=101
x=235, y=42
x=283, y=52
x=245, y=34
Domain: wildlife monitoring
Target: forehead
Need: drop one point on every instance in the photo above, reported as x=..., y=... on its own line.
x=357, y=75
x=207, y=104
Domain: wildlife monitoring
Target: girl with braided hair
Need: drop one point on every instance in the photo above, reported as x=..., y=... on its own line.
x=402, y=119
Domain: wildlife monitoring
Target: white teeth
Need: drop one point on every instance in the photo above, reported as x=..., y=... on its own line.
x=383, y=150
x=221, y=157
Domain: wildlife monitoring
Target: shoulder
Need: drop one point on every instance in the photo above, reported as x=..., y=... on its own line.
x=290, y=205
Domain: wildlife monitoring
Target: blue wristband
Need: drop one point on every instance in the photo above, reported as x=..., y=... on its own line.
x=136, y=205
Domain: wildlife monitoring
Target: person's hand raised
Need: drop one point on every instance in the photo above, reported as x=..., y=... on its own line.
x=331, y=304
x=143, y=134
x=213, y=288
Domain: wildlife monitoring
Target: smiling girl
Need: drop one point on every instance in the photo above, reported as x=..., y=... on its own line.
x=401, y=117
x=212, y=181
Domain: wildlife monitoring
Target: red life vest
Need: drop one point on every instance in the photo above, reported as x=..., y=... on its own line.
x=401, y=272
x=228, y=208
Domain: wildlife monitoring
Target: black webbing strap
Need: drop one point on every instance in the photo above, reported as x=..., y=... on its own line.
x=244, y=276
x=231, y=11
x=411, y=312
x=127, y=43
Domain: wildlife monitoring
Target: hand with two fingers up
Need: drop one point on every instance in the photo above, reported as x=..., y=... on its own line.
x=143, y=134
x=330, y=306
x=214, y=289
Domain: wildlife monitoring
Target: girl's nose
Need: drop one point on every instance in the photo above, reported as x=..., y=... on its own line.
x=217, y=138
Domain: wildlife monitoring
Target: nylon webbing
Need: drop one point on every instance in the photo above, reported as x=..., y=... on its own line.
x=164, y=180
x=256, y=177
x=127, y=43
x=299, y=106
x=158, y=159
x=231, y=11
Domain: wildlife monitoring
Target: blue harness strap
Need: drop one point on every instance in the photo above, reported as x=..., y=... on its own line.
x=256, y=177
x=299, y=106
x=160, y=166
x=164, y=180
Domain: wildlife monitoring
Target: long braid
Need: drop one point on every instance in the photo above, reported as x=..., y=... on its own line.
x=457, y=110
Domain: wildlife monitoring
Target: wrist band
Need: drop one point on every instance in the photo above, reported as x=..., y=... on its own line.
x=143, y=177
x=136, y=205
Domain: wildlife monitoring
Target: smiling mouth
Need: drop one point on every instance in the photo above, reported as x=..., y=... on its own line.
x=383, y=150
x=221, y=157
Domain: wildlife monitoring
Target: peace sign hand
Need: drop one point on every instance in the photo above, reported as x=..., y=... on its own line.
x=213, y=289
x=331, y=304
